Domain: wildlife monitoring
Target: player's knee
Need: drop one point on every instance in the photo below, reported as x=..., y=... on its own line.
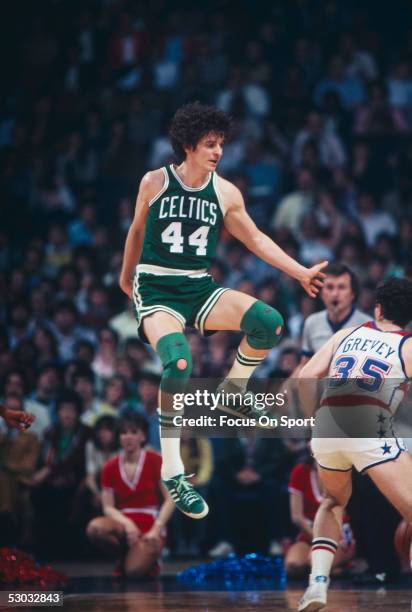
x=174, y=352
x=263, y=326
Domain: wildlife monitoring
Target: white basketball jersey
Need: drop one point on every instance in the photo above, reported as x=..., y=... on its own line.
x=365, y=384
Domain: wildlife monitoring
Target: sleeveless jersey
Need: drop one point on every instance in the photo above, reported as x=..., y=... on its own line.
x=366, y=381
x=183, y=224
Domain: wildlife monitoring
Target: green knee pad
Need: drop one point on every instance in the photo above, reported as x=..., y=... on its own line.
x=170, y=349
x=261, y=324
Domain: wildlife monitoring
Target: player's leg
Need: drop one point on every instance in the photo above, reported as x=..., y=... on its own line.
x=165, y=334
x=106, y=534
x=262, y=324
x=394, y=480
x=326, y=535
x=142, y=557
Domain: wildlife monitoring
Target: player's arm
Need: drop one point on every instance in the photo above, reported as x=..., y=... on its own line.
x=317, y=367
x=241, y=226
x=150, y=185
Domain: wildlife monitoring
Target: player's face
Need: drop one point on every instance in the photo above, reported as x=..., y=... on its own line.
x=131, y=439
x=337, y=294
x=207, y=152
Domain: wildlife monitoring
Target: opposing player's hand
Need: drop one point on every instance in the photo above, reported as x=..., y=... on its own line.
x=18, y=419
x=313, y=279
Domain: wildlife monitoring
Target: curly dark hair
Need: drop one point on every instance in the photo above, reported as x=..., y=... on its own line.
x=395, y=298
x=193, y=121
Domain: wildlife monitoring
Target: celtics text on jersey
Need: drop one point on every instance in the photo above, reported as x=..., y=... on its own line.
x=183, y=224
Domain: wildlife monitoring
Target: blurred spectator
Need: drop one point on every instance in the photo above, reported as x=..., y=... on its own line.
x=373, y=222
x=326, y=142
x=295, y=205
x=56, y=481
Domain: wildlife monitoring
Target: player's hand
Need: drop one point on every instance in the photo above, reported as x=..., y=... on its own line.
x=126, y=286
x=313, y=279
x=18, y=419
x=132, y=533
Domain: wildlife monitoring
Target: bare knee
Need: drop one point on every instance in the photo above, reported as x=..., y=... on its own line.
x=329, y=504
x=95, y=529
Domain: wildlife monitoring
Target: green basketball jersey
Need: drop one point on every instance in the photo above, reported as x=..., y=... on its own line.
x=183, y=224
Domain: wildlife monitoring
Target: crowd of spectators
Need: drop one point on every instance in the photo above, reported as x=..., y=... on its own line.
x=321, y=99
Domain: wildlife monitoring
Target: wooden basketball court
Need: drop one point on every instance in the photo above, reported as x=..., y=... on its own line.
x=249, y=601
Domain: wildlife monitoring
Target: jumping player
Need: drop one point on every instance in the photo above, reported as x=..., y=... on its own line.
x=179, y=212
x=373, y=361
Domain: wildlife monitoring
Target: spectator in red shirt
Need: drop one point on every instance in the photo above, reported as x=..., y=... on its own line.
x=133, y=524
x=305, y=495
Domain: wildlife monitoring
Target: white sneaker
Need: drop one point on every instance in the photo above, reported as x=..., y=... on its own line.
x=315, y=596
x=222, y=549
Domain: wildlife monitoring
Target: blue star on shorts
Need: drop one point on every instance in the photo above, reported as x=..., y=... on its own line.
x=381, y=418
x=386, y=448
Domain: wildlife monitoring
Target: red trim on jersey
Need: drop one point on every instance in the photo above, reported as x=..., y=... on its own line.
x=353, y=400
x=400, y=332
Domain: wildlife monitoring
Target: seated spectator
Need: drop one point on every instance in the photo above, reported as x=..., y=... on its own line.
x=92, y=406
x=15, y=383
x=134, y=518
x=147, y=389
x=56, y=481
x=115, y=394
x=67, y=330
x=102, y=446
x=46, y=345
x=248, y=478
x=293, y=206
x=19, y=452
x=373, y=222
x=327, y=143
x=104, y=362
x=305, y=496
x=350, y=88
x=48, y=383
x=124, y=323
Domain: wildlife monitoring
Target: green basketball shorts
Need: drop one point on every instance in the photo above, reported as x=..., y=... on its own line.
x=187, y=295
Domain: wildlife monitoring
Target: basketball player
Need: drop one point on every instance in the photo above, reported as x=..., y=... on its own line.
x=179, y=212
x=17, y=419
x=376, y=360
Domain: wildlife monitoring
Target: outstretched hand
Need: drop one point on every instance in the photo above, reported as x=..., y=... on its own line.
x=313, y=279
x=18, y=418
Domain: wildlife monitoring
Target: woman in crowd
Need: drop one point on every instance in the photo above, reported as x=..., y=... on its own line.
x=134, y=515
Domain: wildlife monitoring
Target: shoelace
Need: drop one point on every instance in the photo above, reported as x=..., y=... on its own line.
x=186, y=491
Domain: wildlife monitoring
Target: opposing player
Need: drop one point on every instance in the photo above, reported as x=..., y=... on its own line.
x=367, y=367
x=179, y=212
x=17, y=419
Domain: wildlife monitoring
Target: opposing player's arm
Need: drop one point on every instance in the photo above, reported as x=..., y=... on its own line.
x=407, y=356
x=317, y=367
x=241, y=226
x=151, y=184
